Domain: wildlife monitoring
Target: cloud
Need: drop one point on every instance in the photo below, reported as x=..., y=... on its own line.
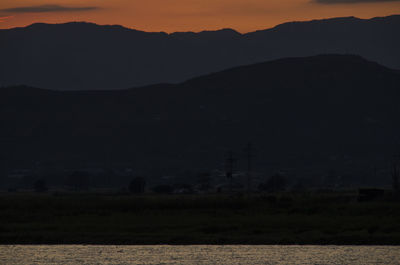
x=2, y=19
x=352, y=1
x=47, y=8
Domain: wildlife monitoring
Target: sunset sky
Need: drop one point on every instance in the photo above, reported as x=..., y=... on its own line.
x=188, y=15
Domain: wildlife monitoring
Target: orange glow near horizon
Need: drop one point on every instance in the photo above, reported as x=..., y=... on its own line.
x=185, y=15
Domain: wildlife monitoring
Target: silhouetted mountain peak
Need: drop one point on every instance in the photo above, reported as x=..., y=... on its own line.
x=74, y=24
x=221, y=33
x=311, y=24
x=302, y=67
x=386, y=18
x=207, y=34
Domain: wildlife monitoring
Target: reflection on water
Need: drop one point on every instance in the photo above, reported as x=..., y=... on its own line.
x=203, y=254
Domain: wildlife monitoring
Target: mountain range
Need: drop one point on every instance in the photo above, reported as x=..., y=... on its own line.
x=306, y=115
x=85, y=56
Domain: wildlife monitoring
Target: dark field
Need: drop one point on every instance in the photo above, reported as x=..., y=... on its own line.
x=286, y=218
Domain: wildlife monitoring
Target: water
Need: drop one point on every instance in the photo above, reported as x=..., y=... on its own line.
x=203, y=254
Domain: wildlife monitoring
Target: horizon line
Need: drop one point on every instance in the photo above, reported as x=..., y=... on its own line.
x=202, y=31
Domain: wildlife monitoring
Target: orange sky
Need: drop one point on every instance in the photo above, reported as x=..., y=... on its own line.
x=187, y=15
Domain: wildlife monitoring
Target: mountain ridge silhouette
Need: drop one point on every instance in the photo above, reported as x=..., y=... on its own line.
x=75, y=56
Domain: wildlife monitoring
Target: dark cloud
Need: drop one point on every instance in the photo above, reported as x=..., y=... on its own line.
x=352, y=1
x=46, y=8
x=2, y=19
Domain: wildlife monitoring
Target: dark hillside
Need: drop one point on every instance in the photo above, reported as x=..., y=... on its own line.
x=309, y=116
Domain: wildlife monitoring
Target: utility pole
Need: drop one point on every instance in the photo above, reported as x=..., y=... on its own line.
x=250, y=156
x=396, y=174
x=7, y=154
x=229, y=168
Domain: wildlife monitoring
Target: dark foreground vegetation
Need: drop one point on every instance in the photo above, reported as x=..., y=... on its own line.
x=284, y=218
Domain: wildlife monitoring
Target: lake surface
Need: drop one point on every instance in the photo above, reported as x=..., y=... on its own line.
x=203, y=254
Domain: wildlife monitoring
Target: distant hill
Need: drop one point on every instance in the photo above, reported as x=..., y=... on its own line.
x=308, y=116
x=75, y=56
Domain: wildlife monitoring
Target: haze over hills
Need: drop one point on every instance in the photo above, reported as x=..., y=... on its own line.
x=307, y=116
x=84, y=56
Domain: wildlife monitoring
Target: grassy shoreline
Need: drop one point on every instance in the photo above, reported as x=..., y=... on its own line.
x=285, y=218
